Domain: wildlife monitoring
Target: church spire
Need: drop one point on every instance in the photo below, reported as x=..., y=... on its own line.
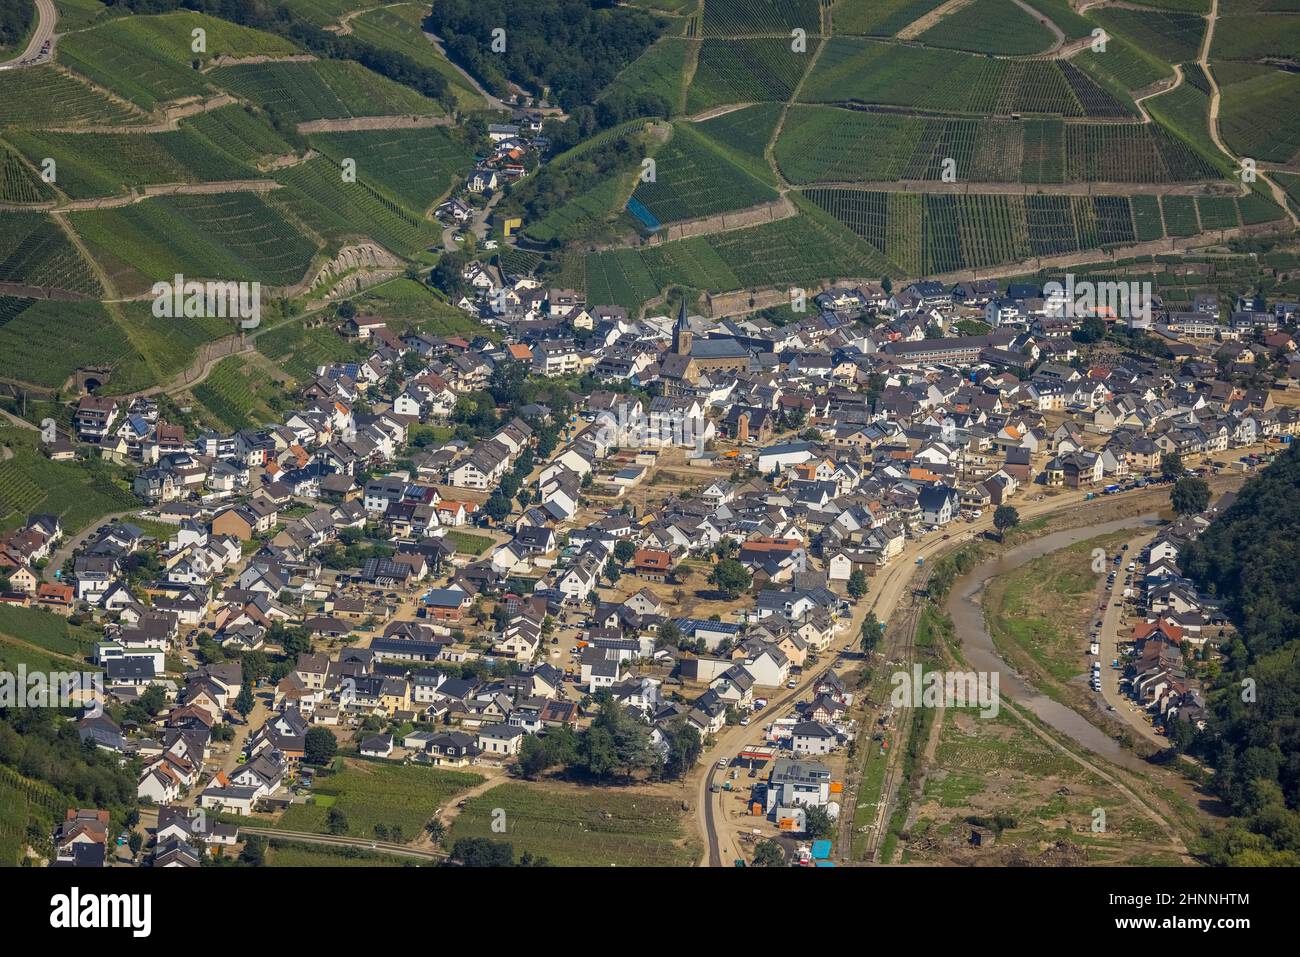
x=682, y=332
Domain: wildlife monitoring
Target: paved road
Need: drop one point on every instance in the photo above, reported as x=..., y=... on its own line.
x=47, y=16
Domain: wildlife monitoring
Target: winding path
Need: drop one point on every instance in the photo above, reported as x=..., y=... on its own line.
x=47, y=15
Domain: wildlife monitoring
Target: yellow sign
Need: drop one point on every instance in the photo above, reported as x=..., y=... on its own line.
x=511, y=225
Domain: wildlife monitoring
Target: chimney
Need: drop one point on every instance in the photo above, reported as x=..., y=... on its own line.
x=742, y=427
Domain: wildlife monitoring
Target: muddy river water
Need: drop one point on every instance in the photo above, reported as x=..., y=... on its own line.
x=981, y=654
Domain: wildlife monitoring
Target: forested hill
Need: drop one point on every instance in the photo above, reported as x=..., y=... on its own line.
x=1250, y=557
x=574, y=48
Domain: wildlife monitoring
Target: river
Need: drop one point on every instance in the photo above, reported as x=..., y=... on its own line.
x=981, y=654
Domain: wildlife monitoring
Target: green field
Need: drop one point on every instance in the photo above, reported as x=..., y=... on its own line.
x=1257, y=114
x=219, y=236
x=299, y=351
x=468, y=543
x=990, y=26
x=322, y=89
x=369, y=793
x=235, y=395
x=693, y=178
x=148, y=59
x=1173, y=37
x=744, y=134
x=589, y=827
x=413, y=167
x=36, y=626
x=36, y=252
x=240, y=132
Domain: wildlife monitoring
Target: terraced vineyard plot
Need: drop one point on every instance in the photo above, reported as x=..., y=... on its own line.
x=221, y=236
x=36, y=252
x=1257, y=206
x=1063, y=15
x=239, y=132
x=878, y=19
x=324, y=12
x=321, y=89
x=106, y=164
x=827, y=144
x=159, y=348
x=148, y=59
x=690, y=262
x=1256, y=38
x=990, y=26
x=868, y=71
x=415, y=167
x=1180, y=215
x=1173, y=37
x=619, y=277
x=582, y=215
x=745, y=133
x=19, y=183
x=79, y=14
x=1131, y=153
x=1122, y=67
x=301, y=351
x=46, y=96
x=1050, y=222
x=1146, y=218
x=660, y=70
x=693, y=179
x=744, y=71
x=232, y=395
x=1184, y=112
x=45, y=341
x=1257, y=113
x=339, y=210
x=734, y=18
x=1044, y=152
x=1114, y=219
x=79, y=493
x=1217, y=212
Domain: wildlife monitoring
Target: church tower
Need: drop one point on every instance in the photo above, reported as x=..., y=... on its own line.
x=682, y=333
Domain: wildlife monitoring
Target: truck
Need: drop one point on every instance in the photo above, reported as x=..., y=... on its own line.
x=1110, y=489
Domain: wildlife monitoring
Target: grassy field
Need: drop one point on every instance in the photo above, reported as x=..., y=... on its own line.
x=282, y=853
x=49, y=631
x=581, y=827
x=371, y=793
x=468, y=543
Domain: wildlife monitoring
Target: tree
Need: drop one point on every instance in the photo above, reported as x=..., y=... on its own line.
x=436, y=831
x=497, y=506
x=872, y=631
x=768, y=853
x=1189, y=495
x=818, y=822
x=857, y=584
x=612, y=571
x=669, y=633
x=623, y=551
x=135, y=842
x=483, y=852
x=684, y=747
x=1005, y=516
x=336, y=822
x=244, y=701
x=730, y=577
x=1092, y=329
x=319, y=746
x=1171, y=466
x=254, y=853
